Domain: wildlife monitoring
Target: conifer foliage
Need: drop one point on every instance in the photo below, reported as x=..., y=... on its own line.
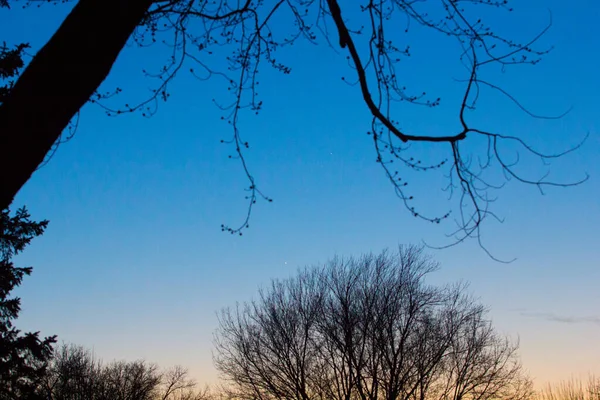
x=23, y=356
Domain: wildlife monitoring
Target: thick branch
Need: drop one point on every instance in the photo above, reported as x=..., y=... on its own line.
x=58, y=82
x=346, y=40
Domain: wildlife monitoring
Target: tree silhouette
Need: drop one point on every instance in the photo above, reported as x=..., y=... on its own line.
x=75, y=374
x=23, y=357
x=368, y=328
x=247, y=34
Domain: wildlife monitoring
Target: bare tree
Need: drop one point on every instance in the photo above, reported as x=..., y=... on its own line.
x=75, y=374
x=245, y=35
x=368, y=328
x=131, y=380
x=266, y=345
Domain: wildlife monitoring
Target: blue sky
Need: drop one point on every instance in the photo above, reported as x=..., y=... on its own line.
x=134, y=264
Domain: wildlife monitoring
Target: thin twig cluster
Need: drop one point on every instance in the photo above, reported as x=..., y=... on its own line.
x=232, y=39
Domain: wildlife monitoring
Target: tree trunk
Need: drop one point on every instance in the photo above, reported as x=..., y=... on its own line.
x=58, y=82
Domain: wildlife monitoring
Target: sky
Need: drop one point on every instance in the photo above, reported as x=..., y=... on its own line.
x=134, y=263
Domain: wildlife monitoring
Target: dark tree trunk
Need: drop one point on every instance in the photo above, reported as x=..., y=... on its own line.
x=58, y=82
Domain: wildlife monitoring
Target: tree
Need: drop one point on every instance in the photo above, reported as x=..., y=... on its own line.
x=367, y=328
x=75, y=374
x=56, y=84
x=23, y=357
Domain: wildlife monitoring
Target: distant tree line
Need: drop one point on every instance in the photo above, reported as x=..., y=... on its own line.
x=75, y=374
x=573, y=389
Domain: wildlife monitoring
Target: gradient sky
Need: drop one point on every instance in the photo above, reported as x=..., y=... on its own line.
x=134, y=264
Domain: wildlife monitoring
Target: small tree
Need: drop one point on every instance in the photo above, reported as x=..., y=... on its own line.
x=23, y=357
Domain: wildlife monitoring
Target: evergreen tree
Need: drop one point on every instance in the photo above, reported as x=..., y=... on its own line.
x=23, y=356
x=11, y=62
